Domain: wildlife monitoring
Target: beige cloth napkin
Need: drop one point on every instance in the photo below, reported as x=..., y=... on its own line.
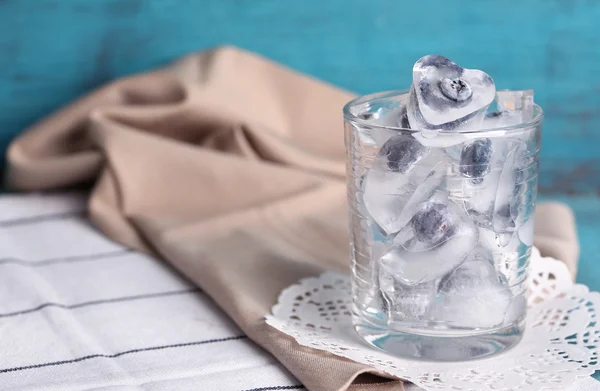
x=231, y=168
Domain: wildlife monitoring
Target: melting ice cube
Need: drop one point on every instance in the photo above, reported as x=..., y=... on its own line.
x=397, y=179
x=405, y=303
x=520, y=102
x=473, y=295
x=475, y=159
x=438, y=239
x=501, y=119
x=446, y=96
x=503, y=220
x=401, y=153
x=523, y=202
x=490, y=187
x=514, y=108
x=396, y=118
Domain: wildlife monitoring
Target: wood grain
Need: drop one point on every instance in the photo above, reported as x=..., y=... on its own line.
x=52, y=51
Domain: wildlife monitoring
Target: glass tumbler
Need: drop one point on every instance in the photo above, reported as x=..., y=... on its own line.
x=441, y=229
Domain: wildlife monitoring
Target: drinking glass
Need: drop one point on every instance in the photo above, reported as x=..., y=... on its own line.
x=441, y=229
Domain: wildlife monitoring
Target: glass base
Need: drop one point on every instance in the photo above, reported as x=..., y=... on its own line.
x=439, y=348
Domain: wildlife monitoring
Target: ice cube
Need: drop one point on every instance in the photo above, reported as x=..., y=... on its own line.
x=423, y=192
x=523, y=206
x=436, y=240
x=385, y=195
x=506, y=258
x=519, y=102
x=504, y=255
x=454, y=152
x=367, y=136
x=484, y=197
x=503, y=221
x=373, y=295
x=439, y=139
x=370, y=133
x=501, y=119
x=488, y=239
x=395, y=180
x=446, y=96
x=479, y=195
x=473, y=295
x=377, y=250
x=401, y=152
x=504, y=224
x=431, y=223
x=375, y=130
x=405, y=303
x=475, y=159
x=386, y=117
x=513, y=108
x=404, y=122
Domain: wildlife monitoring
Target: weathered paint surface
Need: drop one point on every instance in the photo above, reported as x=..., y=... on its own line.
x=52, y=51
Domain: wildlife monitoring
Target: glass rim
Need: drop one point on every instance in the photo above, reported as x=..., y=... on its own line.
x=348, y=116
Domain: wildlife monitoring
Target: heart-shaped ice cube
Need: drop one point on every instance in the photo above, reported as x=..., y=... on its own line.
x=446, y=96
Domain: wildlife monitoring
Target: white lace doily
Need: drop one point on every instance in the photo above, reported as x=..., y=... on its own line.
x=560, y=343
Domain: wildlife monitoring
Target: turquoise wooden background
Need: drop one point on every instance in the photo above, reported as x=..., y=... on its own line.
x=52, y=51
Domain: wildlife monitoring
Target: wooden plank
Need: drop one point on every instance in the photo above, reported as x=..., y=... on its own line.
x=571, y=176
x=52, y=51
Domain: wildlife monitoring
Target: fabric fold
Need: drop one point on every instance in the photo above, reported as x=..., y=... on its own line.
x=231, y=168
